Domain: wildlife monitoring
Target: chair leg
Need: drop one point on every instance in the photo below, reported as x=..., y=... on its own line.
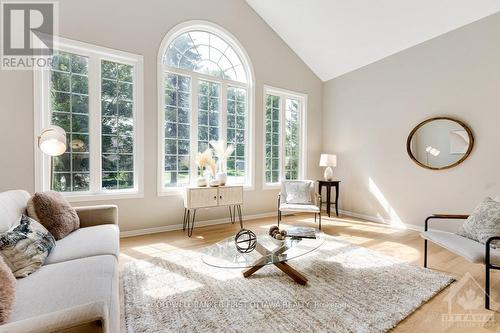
x=279, y=218
x=487, y=288
x=425, y=253
x=319, y=220
x=315, y=218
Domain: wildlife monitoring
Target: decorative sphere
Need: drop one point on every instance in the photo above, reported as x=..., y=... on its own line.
x=245, y=241
x=272, y=230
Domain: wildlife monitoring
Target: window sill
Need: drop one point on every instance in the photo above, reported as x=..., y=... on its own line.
x=102, y=196
x=272, y=186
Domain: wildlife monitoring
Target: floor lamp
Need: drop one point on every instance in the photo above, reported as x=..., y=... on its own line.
x=52, y=142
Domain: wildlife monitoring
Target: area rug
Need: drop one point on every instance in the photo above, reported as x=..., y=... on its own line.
x=350, y=289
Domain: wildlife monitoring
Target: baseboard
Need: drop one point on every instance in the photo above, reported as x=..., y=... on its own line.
x=172, y=227
x=380, y=220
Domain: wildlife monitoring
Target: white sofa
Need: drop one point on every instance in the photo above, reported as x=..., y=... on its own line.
x=77, y=289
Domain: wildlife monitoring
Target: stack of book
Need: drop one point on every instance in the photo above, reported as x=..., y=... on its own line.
x=301, y=232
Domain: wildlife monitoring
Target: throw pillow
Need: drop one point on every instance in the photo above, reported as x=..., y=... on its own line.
x=483, y=223
x=298, y=192
x=25, y=246
x=7, y=291
x=54, y=212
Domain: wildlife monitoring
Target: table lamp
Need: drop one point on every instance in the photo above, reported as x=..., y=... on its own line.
x=328, y=161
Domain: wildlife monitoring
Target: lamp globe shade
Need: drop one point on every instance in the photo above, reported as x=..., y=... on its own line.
x=52, y=141
x=328, y=160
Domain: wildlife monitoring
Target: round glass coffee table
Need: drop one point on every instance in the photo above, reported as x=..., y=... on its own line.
x=267, y=251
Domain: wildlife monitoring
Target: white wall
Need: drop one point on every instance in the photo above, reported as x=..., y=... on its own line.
x=138, y=27
x=369, y=113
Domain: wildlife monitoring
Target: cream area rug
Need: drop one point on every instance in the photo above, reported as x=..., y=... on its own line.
x=350, y=289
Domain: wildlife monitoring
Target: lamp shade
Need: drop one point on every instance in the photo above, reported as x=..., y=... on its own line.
x=52, y=140
x=328, y=160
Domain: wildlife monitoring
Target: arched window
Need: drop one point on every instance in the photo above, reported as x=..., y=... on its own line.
x=205, y=93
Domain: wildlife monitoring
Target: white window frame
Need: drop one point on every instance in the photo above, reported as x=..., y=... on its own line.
x=302, y=98
x=41, y=81
x=249, y=86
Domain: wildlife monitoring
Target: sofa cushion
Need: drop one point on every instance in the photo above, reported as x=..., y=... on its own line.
x=12, y=206
x=25, y=246
x=52, y=210
x=465, y=247
x=68, y=284
x=299, y=208
x=86, y=242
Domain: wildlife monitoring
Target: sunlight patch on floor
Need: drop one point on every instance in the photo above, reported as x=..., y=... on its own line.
x=160, y=282
x=358, y=240
x=397, y=250
x=375, y=229
x=155, y=249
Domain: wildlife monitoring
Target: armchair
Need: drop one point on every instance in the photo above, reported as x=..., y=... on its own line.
x=471, y=250
x=299, y=196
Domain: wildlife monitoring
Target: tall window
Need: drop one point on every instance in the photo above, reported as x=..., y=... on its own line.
x=284, y=123
x=94, y=94
x=204, y=96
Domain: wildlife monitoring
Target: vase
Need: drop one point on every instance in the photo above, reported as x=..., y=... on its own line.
x=201, y=182
x=221, y=177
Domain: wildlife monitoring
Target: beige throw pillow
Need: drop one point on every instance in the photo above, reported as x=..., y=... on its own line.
x=54, y=212
x=7, y=291
x=483, y=223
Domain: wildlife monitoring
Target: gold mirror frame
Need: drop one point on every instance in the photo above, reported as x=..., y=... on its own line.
x=467, y=153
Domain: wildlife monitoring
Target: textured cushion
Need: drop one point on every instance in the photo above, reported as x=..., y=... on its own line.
x=12, y=206
x=53, y=211
x=299, y=208
x=465, y=247
x=298, y=191
x=7, y=291
x=25, y=246
x=86, y=242
x=68, y=284
x=483, y=223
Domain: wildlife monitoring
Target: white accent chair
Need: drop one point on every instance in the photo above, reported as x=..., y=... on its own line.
x=290, y=202
x=469, y=249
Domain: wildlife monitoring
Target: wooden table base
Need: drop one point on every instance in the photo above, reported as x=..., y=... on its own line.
x=283, y=266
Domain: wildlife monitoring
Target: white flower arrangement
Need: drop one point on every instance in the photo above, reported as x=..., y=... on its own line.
x=222, y=151
x=205, y=161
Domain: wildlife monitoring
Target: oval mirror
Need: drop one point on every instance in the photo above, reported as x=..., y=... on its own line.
x=440, y=143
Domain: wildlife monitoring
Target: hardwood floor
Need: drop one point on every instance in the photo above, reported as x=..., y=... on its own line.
x=403, y=244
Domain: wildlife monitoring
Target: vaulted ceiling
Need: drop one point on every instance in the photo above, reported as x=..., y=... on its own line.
x=334, y=37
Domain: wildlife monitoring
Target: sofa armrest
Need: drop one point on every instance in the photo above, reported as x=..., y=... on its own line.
x=90, y=317
x=96, y=215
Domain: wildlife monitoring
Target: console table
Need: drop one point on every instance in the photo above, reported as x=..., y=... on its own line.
x=329, y=184
x=211, y=197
